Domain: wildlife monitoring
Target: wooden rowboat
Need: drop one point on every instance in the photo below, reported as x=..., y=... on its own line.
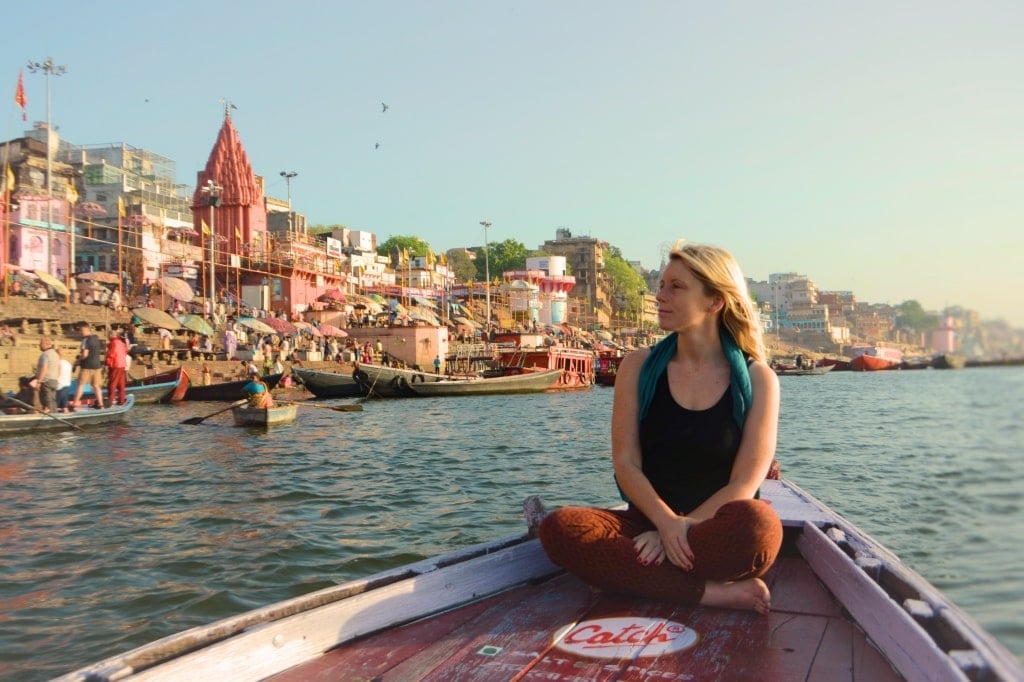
x=264, y=416
x=843, y=607
x=33, y=422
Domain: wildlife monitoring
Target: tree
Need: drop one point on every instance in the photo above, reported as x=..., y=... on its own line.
x=911, y=315
x=407, y=245
x=626, y=284
x=462, y=264
x=506, y=255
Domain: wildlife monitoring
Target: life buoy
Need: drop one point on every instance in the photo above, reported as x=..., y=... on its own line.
x=418, y=377
x=360, y=376
x=400, y=384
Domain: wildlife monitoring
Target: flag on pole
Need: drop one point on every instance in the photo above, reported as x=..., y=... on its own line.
x=238, y=233
x=19, y=97
x=9, y=180
x=205, y=227
x=71, y=194
x=121, y=213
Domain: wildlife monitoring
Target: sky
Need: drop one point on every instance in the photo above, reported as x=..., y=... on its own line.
x=875, y=147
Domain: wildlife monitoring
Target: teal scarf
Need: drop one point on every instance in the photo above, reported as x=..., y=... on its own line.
x=739, y=377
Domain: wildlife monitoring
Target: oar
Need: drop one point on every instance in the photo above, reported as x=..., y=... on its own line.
x=51, y=416
x=199, y=420
x=336, y=408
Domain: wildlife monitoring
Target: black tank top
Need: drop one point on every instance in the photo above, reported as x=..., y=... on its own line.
x=687, y=455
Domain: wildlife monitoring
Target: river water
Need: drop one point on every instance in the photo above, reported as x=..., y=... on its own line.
x=116, y=537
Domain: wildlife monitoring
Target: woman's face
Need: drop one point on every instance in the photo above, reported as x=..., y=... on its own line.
x=682, y=301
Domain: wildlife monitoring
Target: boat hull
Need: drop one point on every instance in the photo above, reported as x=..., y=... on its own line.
x=227, y=391
x=527, y=382
x=33, y=422
x=502, y=610
x=264, y=416
x=165, y=387
x=327, y=384
x=870, y=363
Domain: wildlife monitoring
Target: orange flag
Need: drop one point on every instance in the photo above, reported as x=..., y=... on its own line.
x=19, y=97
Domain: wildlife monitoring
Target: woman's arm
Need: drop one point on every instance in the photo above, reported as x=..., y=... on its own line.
x=670, y=539
x=757, y=445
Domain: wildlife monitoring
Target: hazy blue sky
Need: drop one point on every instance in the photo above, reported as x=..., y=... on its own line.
x=873, y=146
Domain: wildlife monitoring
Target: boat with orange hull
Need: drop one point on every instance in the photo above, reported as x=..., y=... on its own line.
x=577, y=364
x=875, y=358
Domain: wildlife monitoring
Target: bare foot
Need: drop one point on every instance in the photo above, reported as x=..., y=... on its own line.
x=745, y=595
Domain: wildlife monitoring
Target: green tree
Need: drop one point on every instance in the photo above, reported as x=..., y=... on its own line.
x=911, y=315
x=507, y=255
x=412, y=246
x=626, y=284
x=462, y=265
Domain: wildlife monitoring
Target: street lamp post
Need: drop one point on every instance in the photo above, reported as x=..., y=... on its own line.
x=487, y=270
x=288, y=175
x=212, y=191
x=50, y=69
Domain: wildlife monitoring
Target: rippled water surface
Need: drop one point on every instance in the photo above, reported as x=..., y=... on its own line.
x=114, y=538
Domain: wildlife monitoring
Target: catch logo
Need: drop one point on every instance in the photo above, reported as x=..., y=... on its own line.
x=626, y=637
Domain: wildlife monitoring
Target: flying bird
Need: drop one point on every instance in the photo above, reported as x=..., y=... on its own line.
x=383, y=107
x=376, y=145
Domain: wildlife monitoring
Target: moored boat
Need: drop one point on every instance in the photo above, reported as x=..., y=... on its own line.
x=275, y=415
x=31, y=422
x=324, y=384
x=165, y=387
x=875, y=358
x=606, y=369
x=842, y=606
x=949, y=361
x=527, y=351
x=804, y=371
x=227, y=390
x=391, y=382
x=526, y=382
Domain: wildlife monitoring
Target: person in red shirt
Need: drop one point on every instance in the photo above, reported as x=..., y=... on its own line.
x=117, y=368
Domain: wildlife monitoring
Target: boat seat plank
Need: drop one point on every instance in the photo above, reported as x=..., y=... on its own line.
x=792, y=508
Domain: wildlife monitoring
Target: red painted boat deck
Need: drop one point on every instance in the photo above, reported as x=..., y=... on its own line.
x=560, y=629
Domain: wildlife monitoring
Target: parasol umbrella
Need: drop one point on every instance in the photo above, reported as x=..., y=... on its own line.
x=252, y=324
x=604, y=334
x=154, y=317
x=333, y=296
x=466, y=321
x=279, y=325
x=331, y=330
x=104, y=277
x=90, y=209
x=377, y=298
x=306, y=327
x=196, y=324
x=51, y=281
x=176, y=288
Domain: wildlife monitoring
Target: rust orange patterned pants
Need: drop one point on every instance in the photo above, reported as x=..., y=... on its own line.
x=596, y=545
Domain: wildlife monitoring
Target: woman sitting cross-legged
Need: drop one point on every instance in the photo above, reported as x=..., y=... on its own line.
x=694, y=427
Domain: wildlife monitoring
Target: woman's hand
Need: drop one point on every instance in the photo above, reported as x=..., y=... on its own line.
x=675, y=542
x=649, y=549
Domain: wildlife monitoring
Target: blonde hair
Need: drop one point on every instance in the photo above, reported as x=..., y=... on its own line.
x=720, y=274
